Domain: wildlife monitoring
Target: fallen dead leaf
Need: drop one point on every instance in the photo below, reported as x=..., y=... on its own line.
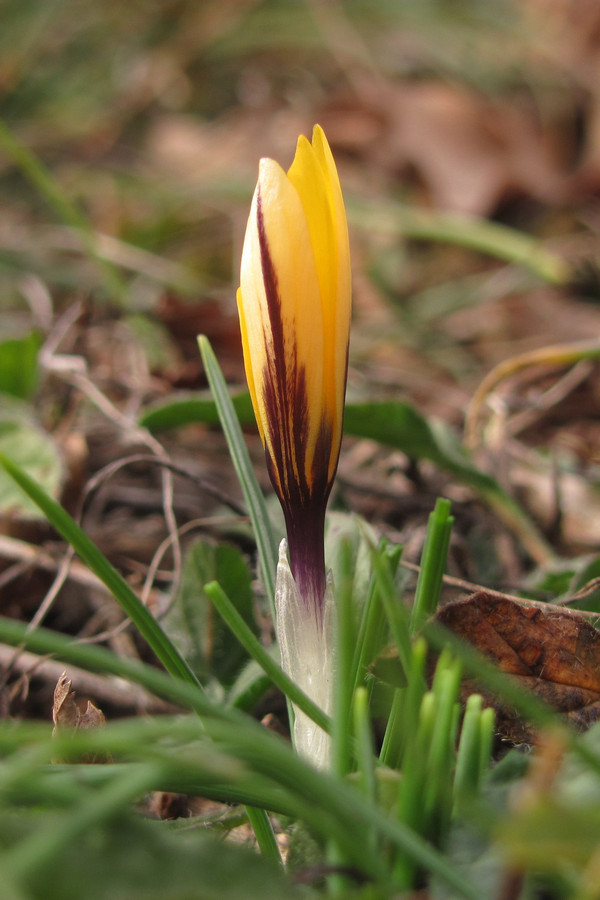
x=471, y=153
x=552, y=652
x=71, y=715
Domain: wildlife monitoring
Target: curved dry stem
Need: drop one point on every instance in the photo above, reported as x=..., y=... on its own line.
x=554, y=356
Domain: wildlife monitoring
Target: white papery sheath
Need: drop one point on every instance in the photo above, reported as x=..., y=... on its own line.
x=305, y=634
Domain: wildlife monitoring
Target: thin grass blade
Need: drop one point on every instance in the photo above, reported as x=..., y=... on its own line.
x=265, y=542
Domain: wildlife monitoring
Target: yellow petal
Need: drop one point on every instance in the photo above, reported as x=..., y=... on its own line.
x=248, y=365
x=315, y=177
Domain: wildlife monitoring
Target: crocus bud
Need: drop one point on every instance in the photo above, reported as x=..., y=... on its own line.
x=294, y=303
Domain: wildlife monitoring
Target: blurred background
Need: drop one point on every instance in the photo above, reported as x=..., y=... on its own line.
x=467, y=137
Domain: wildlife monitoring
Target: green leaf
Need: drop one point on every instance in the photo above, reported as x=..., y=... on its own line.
x=226, y=756
x=589, y=572
x=23, y=440
x=191, y=408
x=206, y=642
x=399, y=425
x=18, y=366
x=387, y=668
x=433, y=560
x=249, y=687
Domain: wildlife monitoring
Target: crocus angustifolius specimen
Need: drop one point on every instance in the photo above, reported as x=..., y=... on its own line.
x=294, y=303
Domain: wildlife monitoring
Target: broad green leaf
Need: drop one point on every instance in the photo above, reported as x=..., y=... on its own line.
x=205, y=640
x=249, y=687
x=565, y=580
x=392, y=218
x=18, y=366
x=22, y=439
x=400, y=425
x=583, y=577
x=194, y=408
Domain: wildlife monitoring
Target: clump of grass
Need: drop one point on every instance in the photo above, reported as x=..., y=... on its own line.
x=400, y=792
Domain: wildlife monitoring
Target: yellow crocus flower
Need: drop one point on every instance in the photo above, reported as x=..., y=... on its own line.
x=294, y=303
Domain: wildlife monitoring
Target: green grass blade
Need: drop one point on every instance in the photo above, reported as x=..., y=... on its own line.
x=391, y=743
x=92, y=658
x=487, y=722
x=433, y=559
x=265, y=541
x=326, y=803
x=364, y=744
x=400, y=425
x=265, y=836
x=411, y=810
x=396, y=613
x=491, y=238
x=372, y=624
x=403, y=720
x=44, y=844
x=437, y=800
x=343, y=685
x=468, y=772
x=142, y=618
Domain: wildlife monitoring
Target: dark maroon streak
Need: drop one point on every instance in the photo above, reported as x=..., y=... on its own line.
x=303, y=500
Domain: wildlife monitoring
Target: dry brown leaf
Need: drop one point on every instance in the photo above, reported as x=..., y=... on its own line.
x=552, y=652
x=71, y=715
x=470, y=152
x=65, y=712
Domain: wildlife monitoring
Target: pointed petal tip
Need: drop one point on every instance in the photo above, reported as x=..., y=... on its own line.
x=267, y=168
x=283, y=549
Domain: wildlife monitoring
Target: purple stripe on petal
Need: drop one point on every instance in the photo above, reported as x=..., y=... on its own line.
x=303, y=494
